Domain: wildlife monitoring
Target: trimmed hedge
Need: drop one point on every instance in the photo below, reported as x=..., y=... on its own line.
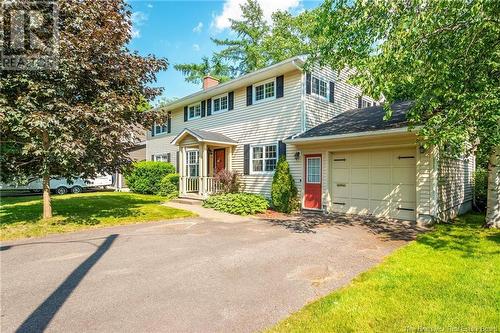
x=238, y=203
x=169, y=186
x=283, y=190
x=146, y=176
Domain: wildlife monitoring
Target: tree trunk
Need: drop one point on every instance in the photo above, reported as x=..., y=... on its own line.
x=493, y=208
x=47, y=205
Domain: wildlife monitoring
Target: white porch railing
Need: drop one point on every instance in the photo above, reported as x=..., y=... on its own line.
x=200, y=185
x=192, y=184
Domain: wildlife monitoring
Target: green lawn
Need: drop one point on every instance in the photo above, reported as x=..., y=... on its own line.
x=21, y=217
x=448, y=280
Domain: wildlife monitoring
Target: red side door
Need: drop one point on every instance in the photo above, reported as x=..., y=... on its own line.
x=312, y=176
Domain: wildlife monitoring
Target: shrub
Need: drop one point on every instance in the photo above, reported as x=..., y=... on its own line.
x=230, y=181
x=238, y=203
x=169, y=185
x=283, y=191
x=145, y=176
x=480, y=189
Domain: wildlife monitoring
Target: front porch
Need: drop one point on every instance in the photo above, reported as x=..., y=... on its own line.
x=202, y=154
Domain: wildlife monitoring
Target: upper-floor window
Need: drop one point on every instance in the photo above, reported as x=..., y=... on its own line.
x=194, y=111
x=319, y=87
x=160, y=129
x=264, y=158
x=264, y=90
x=162, y=157
x=220, y=103
x=365, y=103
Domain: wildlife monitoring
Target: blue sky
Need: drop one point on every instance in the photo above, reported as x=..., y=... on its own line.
x=180, y=31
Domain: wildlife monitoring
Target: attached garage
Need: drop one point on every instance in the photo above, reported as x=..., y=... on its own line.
x=380, y=182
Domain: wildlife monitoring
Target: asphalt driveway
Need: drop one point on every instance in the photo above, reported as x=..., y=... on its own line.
x=195, y=275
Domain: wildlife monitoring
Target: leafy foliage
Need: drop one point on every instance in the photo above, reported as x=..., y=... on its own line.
x=443, y=55
x=230, y=181
x=238, y=203
x=480, y=188
x=146, y=176
x=77, y=120
x=257, y=44
x=169, y=186
x=283, y=191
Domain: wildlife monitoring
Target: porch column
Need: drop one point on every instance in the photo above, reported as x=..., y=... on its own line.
x=182, y=170
x=229, y=155
x=202, y=168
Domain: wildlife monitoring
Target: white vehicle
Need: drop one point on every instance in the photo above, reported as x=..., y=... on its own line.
x=61, y=185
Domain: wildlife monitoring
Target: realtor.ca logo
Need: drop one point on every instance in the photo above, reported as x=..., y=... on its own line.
x=29, y=38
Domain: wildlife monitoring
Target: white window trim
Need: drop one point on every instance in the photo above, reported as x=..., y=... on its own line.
x=168, y=155
x=326, y=98
x=160, y=133
x=189, y=164
x=254, y=95
x=221, y=110
x=307, y=171
x=195, y=117
x=263, y=145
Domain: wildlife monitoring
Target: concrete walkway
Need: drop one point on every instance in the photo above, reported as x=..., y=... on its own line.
x=207, y=213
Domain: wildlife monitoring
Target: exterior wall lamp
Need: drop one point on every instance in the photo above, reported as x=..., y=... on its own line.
x=297, y=155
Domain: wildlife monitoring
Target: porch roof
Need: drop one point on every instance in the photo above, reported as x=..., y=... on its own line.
x=204, y=136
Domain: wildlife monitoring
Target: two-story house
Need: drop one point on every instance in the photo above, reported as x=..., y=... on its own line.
x=343, y=156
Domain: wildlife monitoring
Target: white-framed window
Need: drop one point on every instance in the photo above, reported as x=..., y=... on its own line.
x=160, y=129
x=264, y=91
x=194, y=111
x=365, y=103
x=263, y=158
x=314, y=170
x=165, y=157
x=319, y=87
x=192, y=163
x=220, y=103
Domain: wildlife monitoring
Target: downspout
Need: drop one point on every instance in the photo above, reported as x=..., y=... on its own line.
x=302, y=100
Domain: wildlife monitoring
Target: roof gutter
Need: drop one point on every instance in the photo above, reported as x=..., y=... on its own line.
x=349, y=135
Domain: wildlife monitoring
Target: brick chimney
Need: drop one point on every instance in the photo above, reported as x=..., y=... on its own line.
x=209, y=82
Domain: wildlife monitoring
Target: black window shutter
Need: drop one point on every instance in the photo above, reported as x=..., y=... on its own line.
x=152, y=157
x=177, y=161
x=185, y=113
x=360, y=102
x=203, y=105
x=308, y=83
x=169, y=122
x=249, y=95
x=332, y=92
x=153, y=130
x=246, y=159
x=230, y=100
x=281, y=149
x=280, y=82
x=209, y=107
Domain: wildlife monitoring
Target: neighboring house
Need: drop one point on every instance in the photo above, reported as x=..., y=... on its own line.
x=138, y=153
x=319, y=122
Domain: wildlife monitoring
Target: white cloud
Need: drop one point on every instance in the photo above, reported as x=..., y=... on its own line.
x=232, y=10
x=150, y=5
x=198, y=27
x=138, y=19
x=196, y=47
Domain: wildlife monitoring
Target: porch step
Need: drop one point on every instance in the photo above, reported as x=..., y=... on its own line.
x=188, y=201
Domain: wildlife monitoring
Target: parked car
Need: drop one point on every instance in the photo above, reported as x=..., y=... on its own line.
x=60, y=185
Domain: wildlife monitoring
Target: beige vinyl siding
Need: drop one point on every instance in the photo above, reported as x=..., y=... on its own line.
x=261, y=123
x=318, y=109
x=455, y=186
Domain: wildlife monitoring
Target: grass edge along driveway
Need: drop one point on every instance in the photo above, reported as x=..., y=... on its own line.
x=20, y=217
x=445, y=281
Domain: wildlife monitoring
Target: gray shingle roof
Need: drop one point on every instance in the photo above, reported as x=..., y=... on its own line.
x=361, y=120
x=211, y=136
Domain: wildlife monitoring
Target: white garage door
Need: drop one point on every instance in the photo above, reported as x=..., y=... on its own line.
x=378, y=182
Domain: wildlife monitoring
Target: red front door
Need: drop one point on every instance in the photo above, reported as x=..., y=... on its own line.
x=312, y=190
x=220, y=160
